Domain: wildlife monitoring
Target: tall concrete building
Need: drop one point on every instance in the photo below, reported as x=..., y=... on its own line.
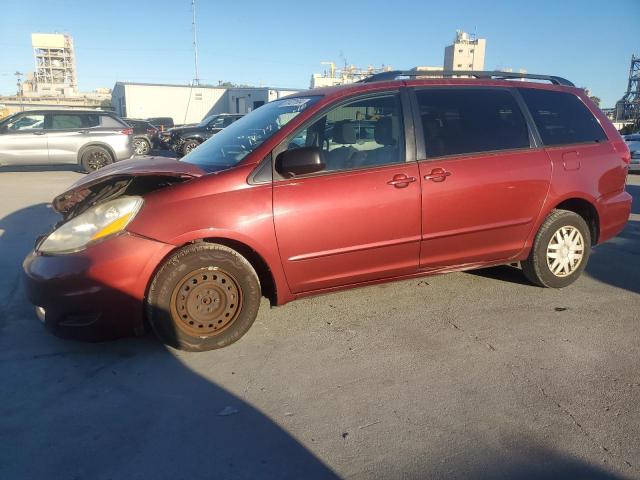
x=466, y=53
x=55, y=61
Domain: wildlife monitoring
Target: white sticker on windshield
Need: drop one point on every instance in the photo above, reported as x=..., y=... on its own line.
x=293, y=102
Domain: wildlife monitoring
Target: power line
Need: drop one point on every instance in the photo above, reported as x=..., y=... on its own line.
x=196, y=81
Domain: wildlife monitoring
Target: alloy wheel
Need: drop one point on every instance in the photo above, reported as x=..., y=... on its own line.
x=97, y=159
x=140, y=147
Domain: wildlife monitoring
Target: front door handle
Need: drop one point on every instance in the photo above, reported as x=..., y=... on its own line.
x=401, y=180
x=38, y=133
x=437, y=175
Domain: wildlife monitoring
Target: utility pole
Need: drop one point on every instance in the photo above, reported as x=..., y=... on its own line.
x=196, y=81
x=19, y=84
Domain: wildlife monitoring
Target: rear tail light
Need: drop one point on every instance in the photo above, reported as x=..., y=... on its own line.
x=623, y=148
x=127, y=131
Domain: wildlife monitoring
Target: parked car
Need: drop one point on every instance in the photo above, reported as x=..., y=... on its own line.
x=89, y=138
x=145, y=135
x=633, y=142
x=465, y=173
x=184, y=139
x=161, y=123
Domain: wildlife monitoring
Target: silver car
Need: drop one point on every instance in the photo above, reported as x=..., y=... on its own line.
x=633, y=142
x=89, y=138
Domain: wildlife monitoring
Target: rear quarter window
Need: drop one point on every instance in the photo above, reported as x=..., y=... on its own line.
x=562, y=118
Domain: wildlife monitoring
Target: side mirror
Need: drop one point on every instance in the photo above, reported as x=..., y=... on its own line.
x=299, y=161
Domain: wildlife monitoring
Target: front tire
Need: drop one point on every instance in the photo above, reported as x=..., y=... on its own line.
x=560, y=251
x=205, y=296
x=189, y=145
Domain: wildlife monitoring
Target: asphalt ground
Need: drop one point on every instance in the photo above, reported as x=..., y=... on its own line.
x=466, y=375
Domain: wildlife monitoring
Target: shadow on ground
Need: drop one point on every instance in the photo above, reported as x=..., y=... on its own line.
x=123, y=409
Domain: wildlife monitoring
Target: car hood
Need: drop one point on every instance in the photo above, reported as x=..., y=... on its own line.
x=185, y=129
x=134, y=177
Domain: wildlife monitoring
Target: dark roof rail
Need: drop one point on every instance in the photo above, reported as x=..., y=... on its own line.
x=480, y=74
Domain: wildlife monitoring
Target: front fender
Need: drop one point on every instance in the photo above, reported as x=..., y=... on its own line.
x=216, y=206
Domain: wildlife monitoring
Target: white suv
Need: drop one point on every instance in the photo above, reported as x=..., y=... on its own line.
x=89, y=138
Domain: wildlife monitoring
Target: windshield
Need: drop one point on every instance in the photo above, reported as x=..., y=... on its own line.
x=229, y=146
x=206, y=121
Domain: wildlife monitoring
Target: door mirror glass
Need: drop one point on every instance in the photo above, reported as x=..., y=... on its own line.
x=299, y=161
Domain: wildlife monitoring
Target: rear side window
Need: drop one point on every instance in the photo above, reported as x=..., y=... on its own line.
x=460, y=121
x=562, y=118
x=66, y=121
x=110, y=122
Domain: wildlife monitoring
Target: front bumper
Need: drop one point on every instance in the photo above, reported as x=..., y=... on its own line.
x=98, y=293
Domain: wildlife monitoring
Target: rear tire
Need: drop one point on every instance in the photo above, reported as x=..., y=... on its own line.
x=141, y=146
x=205, y=296
x=560, y=250
x=94, y=158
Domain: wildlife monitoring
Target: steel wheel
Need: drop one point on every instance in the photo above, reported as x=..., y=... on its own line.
x=206, y=301
x=565, y=251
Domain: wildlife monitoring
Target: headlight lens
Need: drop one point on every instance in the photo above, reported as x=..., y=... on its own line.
x=98, y=222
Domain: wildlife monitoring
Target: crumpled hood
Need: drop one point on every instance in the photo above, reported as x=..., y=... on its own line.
x=185, y=129
x=135, y=176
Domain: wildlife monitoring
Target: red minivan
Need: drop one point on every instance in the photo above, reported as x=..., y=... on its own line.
x=393, y=177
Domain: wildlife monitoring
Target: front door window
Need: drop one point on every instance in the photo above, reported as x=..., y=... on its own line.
x=34, y=121
x=359, y=134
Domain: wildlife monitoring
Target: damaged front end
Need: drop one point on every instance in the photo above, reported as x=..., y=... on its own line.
x=75, y=201
x=137, y=177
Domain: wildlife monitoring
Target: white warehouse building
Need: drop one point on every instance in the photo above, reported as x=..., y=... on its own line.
x=188, y=104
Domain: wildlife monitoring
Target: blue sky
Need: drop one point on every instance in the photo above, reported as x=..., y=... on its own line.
x=280, y=43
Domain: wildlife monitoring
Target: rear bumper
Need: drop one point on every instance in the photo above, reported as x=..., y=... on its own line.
x=98, y=293
x=614, y=213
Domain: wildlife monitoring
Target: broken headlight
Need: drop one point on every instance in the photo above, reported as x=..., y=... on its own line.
x=98, y=222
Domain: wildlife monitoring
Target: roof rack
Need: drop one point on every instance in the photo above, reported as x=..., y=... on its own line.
x=492, y=75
